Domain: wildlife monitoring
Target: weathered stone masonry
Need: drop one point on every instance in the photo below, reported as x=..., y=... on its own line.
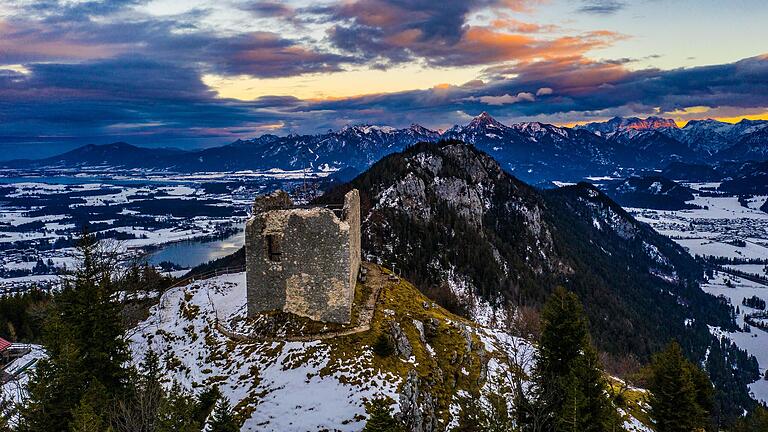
x=303, y=260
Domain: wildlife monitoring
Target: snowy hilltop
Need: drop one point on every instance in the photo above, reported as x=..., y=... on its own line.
x=279, y=377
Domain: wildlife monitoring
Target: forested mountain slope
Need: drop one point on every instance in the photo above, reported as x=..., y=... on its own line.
x=447, y=215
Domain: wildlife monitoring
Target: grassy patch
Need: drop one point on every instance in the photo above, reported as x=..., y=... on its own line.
x=458, y=359
x=633, y=401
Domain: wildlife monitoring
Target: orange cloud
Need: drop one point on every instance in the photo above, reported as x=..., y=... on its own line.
x=515, y=26
x=578, y=74
x=485, y=45
x=405, y=37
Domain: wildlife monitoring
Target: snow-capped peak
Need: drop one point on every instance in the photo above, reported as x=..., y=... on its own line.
x=485, y=120
x=366, y=129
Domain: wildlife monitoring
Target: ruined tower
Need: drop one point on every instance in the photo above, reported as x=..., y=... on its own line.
x=303, y=260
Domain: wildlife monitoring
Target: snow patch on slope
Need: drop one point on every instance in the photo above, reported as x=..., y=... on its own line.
x=270, y=380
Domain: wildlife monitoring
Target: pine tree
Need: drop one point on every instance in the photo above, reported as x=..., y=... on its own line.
x=497, y=418
x=139, y=410
x=53, y=392
x=177, y=412
x=88, y=416
x=570, y=384
x=680, y=395
x=223, y=419
x=150, y=367
x=205, y=403
x=380, y=418
x=84, y=338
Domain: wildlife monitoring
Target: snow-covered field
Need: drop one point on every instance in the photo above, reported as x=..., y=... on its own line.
x=717, y=230
x=753, y=269
x=42, y=214
x=272, y=378
x=756, y=341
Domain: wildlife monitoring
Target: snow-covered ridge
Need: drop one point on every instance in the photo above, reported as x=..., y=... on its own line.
x=267, y=380
x=324, y=385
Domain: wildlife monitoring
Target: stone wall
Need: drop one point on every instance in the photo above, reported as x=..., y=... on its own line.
x=303, y=261
x=351, y=215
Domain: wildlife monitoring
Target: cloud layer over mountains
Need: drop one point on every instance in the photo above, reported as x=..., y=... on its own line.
x=101, y=69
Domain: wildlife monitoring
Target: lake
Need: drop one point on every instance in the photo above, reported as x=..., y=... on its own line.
x=195, y=252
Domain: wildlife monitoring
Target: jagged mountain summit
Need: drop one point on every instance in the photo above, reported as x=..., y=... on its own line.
x=534, y=152
x=706, y=140
x=709, y=136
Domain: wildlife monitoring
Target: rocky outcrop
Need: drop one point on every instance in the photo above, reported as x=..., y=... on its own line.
x=417, y=408
x=400, y=341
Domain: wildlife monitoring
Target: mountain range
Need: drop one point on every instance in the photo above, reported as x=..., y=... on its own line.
x=534, y=152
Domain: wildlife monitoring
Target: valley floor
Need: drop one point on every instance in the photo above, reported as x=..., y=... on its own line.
x=717, y=230
x=756, y=341
x=42, y=214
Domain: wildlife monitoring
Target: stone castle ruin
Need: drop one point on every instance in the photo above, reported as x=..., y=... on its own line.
x=303, y=260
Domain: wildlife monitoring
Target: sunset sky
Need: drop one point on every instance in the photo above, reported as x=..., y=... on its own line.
x=197, y=73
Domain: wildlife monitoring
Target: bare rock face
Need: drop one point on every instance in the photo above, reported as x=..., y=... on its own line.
x=417, y=408
x=400, y=341
x=466, y=199
x=480, y=168
x=408, y=195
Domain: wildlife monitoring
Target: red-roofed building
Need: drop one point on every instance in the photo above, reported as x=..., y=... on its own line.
x=4, y=353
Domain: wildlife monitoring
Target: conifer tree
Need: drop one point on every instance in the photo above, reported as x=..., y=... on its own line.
x=84, y=339
x=139, y=411
x=471, y=418
x=380, y=418
x=223, y=420
x=680, y=392
x=177, y=412
x=150, y=366
x=89, y=415
x=570, y=385
x=205, y=403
